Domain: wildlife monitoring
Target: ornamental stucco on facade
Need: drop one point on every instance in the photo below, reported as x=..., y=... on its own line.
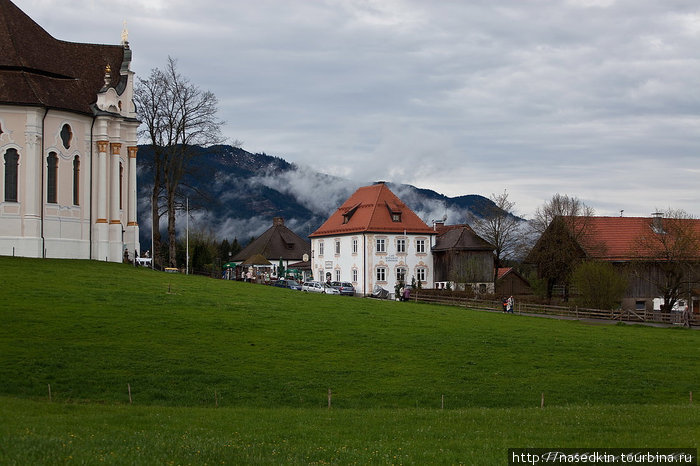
x=68, y=146
x=95, y=180
x=356, y=258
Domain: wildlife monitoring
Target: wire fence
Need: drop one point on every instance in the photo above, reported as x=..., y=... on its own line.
x=574, y=312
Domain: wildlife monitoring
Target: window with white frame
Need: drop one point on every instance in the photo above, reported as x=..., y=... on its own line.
x=11, y=170
x=381, y=274
x=337, y=275
x=401, y=274
x=400, y=245
x=354, y=275
x=420, y=274
x=354, y=246
x=337, y=246
x=420, y=246
x=320, y=248
x=381, y=245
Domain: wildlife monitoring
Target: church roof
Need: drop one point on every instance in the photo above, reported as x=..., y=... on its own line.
x=373, y=209
x=38, y=70
x=278, y=242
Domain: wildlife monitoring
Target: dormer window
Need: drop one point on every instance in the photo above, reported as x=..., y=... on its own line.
x=348, y=215
x=394, y=212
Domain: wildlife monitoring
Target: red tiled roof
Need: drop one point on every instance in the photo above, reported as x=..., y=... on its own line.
x=503, y=271
x=616, y=238
x=370, y=209
x=36, y=69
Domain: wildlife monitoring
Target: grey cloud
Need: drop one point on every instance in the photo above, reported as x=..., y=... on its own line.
x=597, y=96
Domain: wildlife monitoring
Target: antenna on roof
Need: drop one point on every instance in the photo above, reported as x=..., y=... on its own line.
x=621, y=212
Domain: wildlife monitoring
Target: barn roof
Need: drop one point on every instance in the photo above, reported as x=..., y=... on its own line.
x=617, y=238
x=460, y=237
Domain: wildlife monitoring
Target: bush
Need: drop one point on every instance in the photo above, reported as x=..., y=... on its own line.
x=599, y=285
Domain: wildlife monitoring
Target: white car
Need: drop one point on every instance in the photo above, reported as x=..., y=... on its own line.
x=318, y=287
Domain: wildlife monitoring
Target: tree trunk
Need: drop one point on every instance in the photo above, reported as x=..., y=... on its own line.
x=155, y=226
x=172, y=245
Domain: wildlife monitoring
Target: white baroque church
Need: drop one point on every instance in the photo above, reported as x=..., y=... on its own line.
x=68, y=145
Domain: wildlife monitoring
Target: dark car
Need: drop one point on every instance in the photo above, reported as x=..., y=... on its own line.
x=291, y=284
x=345, y=288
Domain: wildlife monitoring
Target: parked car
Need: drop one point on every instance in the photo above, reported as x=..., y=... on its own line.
x=312, y=286
x=345, y=288
x=318, y=287
x=379, y=292
x=285, y=283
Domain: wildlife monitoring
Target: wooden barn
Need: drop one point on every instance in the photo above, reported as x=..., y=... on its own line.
x=460, y=256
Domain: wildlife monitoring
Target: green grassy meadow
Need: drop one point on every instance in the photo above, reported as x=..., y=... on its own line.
x=236, y=373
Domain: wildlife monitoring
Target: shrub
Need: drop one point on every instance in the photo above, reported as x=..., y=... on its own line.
x=599, y=285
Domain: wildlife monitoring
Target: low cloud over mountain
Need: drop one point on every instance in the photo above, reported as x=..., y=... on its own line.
x=244, y=191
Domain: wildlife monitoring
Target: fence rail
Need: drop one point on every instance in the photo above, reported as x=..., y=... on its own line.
x=622, y=315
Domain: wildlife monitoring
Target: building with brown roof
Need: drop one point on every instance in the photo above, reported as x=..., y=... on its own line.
x=510, y=283
x=277, y=243
x=68, y=145
x=461, y=257
x=373, y=239
x=652, y=252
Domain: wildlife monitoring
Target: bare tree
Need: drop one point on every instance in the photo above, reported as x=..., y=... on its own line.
x=561, y=205
x=178, y=116
x=498, y=224
x=562, y=224
x=668, y=255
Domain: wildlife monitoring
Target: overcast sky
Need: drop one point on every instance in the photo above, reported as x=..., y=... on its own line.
x=598, y=99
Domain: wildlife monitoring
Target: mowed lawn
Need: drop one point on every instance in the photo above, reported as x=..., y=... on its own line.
x=217, y=354
x=60, y=433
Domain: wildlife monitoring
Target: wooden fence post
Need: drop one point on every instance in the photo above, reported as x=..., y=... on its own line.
x=128, y=386
x=691, y=396
x=442, y=404
x=542, y=401
x=330, y=396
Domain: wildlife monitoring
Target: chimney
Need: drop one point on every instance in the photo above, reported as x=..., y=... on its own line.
x=657, y=222
x=277, y=221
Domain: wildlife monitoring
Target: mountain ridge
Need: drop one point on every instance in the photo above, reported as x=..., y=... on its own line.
x=246, y=190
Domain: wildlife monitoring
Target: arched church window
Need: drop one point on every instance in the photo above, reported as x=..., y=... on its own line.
x=76, y=180
x=11, y=168
x=66, y=136
x=52, y=178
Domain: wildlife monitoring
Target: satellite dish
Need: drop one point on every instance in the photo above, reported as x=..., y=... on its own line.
x=305, y=258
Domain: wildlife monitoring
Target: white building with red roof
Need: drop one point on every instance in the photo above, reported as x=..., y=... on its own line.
x=373, y=239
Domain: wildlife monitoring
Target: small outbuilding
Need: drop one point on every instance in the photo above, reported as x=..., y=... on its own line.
x=277, y=244
x=510, y=283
